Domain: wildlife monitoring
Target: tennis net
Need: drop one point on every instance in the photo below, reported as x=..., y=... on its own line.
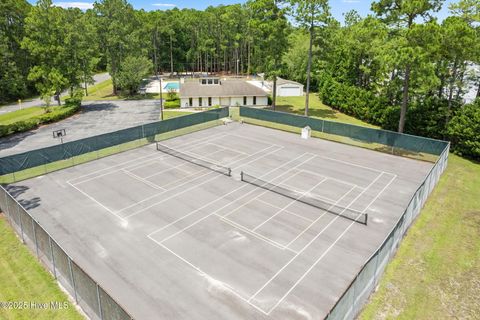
x=347, y=213
x=203, y=163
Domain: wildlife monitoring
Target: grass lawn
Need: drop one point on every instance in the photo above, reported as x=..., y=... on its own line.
x=436, y=272
x=167, y=114
x=23, y=279
x=104, y=91
x=317, y=109
x=101, y=91
x=20, y=115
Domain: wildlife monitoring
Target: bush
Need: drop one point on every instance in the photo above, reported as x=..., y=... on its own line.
x=354, y=101
x=464, y=131
x=172, y=104
x=71, y=106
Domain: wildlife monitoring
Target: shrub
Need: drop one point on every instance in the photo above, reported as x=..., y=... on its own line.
x=464, y=131
x=172, y=104
x=71, y=107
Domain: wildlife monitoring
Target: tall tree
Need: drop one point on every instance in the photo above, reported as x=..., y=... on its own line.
x=45, y=39
x=118, y=30
x=268, y=17
x=404, y=14
x=15, y=62
x=311, y=14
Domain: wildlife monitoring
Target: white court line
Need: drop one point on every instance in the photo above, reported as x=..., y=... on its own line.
x=207, y=172
x=288, y=205
x=331, y=178
x=205, y=274
x=156, y=156
x=227, y=148
x=286, y=211
x=228, y=204
x=288, y=186
x=313, y=239
x=192, y=154
x=255, y=234
x=206, y=181
x=151, y=184
x=168, y=169
x=97, y=202
x=225, y=195
x=330, y=247
x=357, y=165
x=281, y=182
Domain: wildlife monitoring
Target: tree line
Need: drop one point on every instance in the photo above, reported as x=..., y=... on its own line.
x=399, y=67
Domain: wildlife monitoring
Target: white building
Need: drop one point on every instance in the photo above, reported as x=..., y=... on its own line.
x=207, y=92
x=288, y=88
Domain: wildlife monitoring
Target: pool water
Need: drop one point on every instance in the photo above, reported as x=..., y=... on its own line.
x=172, y=85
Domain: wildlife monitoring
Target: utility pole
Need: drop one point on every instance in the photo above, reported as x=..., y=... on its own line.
x=156, y=72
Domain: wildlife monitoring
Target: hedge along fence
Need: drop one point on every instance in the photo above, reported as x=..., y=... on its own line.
x=385, y=141
x=37, y=162
x=71, y=107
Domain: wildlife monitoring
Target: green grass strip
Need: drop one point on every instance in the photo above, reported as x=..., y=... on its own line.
x=436, y=271
x=23, y=279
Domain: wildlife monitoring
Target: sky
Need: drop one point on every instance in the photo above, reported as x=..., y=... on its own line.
x=338, y=7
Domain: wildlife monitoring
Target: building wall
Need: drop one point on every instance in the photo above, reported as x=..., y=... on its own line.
x=292, y=93
x=224, y=102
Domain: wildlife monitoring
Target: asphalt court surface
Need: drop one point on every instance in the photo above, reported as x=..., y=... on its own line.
x=170, y=239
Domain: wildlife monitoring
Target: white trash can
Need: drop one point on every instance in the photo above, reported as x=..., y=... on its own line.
x=306, y=132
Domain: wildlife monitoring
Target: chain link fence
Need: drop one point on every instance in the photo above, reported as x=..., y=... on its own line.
x=349, y=305
x=380, y=140
x=98, y=304
x=88, y=294
x=41, y=161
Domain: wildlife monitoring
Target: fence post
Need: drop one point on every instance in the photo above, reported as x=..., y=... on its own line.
x=53, y=257
x=99, y=303
x=21, y=224
x=35, y=238
x=73, y=279
x=7, y=209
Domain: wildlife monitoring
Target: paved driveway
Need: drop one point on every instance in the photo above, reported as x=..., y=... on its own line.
x=96, y=117
x=39, y=102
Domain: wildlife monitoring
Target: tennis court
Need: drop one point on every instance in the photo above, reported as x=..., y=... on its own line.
x=232, y=222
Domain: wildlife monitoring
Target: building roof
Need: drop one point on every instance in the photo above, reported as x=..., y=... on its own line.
x=281, y=81
x=227, y=88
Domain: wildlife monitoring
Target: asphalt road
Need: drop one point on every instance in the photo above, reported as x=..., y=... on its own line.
x=39, y=102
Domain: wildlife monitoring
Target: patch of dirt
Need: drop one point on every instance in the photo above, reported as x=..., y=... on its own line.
x=459, y=295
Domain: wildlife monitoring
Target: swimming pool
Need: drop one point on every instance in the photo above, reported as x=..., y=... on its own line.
x=172, y=86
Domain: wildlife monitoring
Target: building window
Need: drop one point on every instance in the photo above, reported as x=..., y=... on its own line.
x=190, y=102
x=244, y=101
x=199, y=102
x=210, y=81
x=215, y=81
x=209, y=101
x=254, y=101
x=204, y=81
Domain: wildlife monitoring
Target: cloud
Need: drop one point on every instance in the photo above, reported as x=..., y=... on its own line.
x=169, y=5
x=80, y=5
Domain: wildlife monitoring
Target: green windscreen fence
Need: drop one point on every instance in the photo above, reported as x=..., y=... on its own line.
x=72, y=149
x=369, y=135
x=351, y=302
